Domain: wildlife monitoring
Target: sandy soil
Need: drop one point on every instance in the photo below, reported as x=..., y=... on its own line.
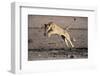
x=51, y=54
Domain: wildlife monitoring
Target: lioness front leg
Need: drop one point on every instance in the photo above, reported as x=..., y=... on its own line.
x=50, y=33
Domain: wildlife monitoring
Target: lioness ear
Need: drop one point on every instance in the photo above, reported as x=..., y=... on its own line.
x=45, y=24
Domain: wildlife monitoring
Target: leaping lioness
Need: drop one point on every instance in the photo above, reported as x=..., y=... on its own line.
x=52, y=28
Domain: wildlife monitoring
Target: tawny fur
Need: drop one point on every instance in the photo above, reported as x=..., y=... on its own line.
x=52, y=28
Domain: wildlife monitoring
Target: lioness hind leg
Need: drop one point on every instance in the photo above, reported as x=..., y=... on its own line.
x=70, y=43
x=66, y=43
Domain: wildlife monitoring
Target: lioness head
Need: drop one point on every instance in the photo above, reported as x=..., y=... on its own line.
x=46, y=26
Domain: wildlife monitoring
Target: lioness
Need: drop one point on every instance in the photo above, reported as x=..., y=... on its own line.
x=52, y=28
